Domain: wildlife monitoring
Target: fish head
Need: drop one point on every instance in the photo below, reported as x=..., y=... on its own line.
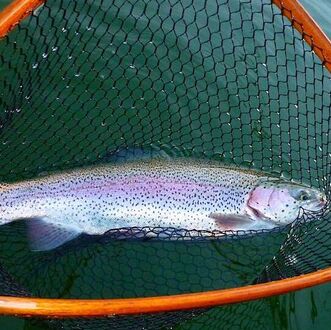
x=281, y=201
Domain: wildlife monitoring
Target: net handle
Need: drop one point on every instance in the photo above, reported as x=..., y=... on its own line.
x=66, y=308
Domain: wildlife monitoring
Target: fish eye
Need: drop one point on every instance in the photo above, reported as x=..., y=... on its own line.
x=303, y=196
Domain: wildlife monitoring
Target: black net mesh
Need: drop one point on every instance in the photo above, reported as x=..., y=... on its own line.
x=220, y=79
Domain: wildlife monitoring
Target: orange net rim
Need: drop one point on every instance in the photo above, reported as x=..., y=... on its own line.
x=66, y=308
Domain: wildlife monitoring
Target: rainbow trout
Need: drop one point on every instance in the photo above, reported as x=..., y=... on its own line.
x=155, y=193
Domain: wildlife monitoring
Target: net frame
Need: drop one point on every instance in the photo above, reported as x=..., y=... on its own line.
x=66, y=308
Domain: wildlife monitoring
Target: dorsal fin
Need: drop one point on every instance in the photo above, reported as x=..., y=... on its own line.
x=132, y=154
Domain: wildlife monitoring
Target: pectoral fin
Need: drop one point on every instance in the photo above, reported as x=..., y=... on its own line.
x=232, y=221
x=45, y=236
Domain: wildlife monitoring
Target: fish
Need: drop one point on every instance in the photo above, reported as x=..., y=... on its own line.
x=183, y=194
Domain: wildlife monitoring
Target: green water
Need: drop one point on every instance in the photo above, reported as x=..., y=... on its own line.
x=308, y=309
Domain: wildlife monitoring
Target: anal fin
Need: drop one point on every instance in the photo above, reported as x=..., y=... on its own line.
x=45, y=236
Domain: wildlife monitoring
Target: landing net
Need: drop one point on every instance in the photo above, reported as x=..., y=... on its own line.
x=232, y=81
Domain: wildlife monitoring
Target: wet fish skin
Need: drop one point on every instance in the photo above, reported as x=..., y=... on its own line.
x=131, y=195
x=180, y=194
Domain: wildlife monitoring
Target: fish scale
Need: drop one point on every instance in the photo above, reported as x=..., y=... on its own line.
x=135, y=194
x=157, y=193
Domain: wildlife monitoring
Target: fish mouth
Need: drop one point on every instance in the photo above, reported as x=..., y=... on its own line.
x=317, y=206
x=321, y=205
x=323, y=201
